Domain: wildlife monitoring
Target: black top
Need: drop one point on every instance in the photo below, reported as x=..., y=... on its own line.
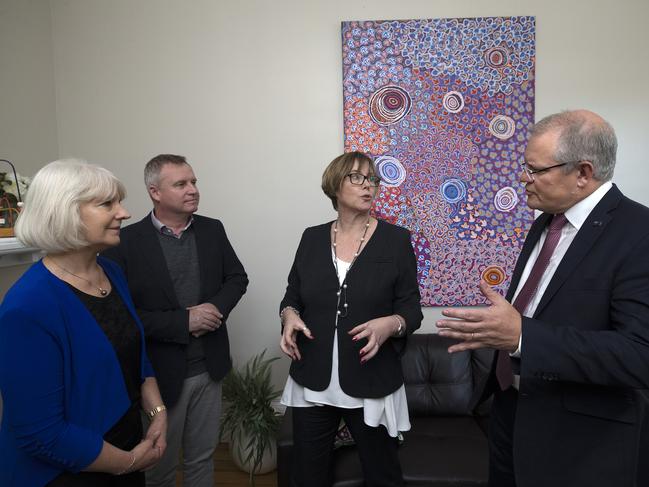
x=382, y=282
x=121, y=330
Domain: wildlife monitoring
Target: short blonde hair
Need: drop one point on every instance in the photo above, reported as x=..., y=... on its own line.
x=51, y=219
x=339, y=168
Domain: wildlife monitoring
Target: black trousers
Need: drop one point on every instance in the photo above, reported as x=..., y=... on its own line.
x=314, y=430
x=501, y=438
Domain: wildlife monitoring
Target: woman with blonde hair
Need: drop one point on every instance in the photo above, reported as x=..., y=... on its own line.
x=73, y=368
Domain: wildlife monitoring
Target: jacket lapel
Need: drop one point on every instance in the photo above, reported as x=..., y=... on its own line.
x=588, y=234
x=325, y=251
x=533, y=236
x=206, y=250
x=152, y=253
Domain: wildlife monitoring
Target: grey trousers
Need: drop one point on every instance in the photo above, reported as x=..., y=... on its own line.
x=193, y=428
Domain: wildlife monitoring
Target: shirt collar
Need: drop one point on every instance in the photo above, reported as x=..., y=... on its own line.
x=578, y=213
x=165, y=230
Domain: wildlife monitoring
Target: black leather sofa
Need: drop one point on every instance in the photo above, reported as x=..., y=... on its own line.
x=447, y=445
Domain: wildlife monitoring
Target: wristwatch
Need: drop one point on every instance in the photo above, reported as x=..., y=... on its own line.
x=158, y=409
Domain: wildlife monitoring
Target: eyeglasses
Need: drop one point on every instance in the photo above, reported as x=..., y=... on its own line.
x=531, y=172
x=359, y=179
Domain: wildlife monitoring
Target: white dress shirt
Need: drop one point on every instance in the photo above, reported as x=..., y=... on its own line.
x=576, y=216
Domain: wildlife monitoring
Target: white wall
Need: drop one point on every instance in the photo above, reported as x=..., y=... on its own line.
x=28, y=135
x=250, y=91
x=27, y=118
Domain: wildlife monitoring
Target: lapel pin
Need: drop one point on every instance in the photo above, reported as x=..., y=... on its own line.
x=597, y=223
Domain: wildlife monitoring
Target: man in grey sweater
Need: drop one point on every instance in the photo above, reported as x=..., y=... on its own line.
x=185, y=279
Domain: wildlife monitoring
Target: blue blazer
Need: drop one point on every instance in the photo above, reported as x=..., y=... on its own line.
x=61, y=382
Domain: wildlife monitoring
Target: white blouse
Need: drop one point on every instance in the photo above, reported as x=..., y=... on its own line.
x=391, y=411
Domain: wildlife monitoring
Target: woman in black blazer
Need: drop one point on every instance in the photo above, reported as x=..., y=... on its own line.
x=352, y=298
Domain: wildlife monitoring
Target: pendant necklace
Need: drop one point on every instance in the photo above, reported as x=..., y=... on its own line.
x=342, y=289
x=101, y=290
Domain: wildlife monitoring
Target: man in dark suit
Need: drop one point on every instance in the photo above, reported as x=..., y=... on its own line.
x=572, y=366
x=185, y=279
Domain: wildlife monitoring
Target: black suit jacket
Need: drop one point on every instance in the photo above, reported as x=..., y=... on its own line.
x=223, y=281
x=382, y=281
x=585, y=355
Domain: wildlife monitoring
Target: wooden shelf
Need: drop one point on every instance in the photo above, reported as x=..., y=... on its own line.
x=12, y=252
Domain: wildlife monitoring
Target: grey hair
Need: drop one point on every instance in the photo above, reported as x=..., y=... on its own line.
x=154, y=166
x=582, y=138
x=51, y=220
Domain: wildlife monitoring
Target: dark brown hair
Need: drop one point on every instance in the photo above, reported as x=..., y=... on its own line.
x=339, y=168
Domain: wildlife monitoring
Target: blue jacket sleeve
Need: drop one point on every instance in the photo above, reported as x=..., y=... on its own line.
x=32, y=384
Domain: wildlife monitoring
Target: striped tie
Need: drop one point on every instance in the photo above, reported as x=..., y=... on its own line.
x=504, y=372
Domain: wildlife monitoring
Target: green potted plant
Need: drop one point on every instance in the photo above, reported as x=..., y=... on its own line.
x=249, y=420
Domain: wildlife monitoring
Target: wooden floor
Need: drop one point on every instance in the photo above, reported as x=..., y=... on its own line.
x=228, y=475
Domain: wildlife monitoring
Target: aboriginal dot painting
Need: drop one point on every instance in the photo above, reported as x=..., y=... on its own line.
x=445, y=106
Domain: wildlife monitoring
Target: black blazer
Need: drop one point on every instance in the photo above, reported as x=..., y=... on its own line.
x=382, y=281
x=585, y=355
x=223, y=281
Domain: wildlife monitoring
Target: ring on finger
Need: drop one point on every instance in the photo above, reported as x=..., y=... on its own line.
x=472, y=335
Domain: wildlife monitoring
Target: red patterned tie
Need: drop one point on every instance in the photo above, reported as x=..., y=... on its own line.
x=503, y=366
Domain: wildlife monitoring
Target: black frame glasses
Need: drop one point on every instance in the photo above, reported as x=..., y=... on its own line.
x=359, y=179
x=531, y=172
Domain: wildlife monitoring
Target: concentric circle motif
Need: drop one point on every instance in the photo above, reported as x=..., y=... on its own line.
x=389, y=104
x=453, y=101
x=390, y=170
x=453, y=190
x=502, y=127
x=494, y=275
x=496, y=57
x=506, y=199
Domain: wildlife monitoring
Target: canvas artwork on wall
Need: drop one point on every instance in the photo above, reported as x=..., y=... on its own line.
x=445, y=106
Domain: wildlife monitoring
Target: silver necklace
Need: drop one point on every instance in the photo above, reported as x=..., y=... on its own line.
x=342, y=288
x=101, y=290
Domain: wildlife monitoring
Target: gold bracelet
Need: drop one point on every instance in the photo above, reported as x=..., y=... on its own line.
x=158, y=409
x=127, y=469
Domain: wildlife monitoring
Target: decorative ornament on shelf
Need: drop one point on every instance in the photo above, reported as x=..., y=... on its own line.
x=12, y=189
